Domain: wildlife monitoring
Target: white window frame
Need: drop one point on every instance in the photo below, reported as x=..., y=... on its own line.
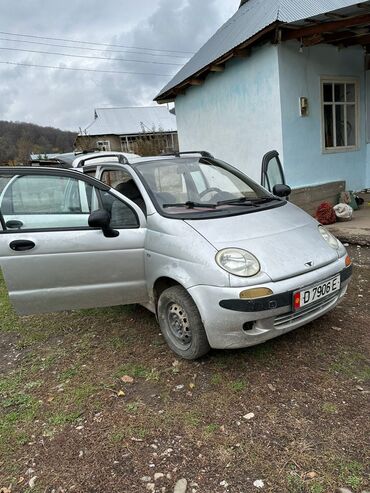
x=340, y=80
x=103, y=143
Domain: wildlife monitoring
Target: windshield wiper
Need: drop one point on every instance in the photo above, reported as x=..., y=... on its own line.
x=242, y=201
x=191, y=205
x=264, y=200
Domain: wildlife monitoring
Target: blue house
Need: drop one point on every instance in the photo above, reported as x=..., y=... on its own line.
x=287, y=75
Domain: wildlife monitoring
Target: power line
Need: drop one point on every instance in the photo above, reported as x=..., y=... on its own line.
x=92, y=49
x=90, y=57
x=84, y=69
x=94, y=43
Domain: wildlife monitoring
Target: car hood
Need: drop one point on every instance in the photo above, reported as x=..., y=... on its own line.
x=285, y=239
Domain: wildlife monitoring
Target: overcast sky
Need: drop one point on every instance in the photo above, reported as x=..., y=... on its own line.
x=65, y=98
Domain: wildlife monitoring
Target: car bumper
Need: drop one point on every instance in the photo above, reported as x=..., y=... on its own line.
x=231, y=322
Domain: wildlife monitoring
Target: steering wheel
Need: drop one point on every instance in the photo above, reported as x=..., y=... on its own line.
x=209, y=190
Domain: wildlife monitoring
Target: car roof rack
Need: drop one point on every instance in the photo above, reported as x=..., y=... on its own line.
x=44, y=163
x=184, y=153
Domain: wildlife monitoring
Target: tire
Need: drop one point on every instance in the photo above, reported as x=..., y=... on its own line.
x=181, y=324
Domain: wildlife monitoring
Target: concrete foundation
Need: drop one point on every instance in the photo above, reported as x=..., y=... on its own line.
x=309, y=198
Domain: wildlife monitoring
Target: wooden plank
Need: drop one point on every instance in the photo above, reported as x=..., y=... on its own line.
x=217, y=68
x=244, y=53
x=196, y=82
x=327, y=27
x=357, y=40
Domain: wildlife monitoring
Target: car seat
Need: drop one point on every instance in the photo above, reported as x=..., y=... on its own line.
x=130, y=190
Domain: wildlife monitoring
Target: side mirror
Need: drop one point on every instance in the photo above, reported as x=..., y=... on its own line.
x=281, y=190
x=101, y=219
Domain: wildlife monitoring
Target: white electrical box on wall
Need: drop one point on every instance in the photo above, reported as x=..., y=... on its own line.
x=303, y=106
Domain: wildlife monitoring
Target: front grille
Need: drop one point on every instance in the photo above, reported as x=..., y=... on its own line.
x=292, y=317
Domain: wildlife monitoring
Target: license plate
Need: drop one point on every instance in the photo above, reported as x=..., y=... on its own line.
x=315, y=293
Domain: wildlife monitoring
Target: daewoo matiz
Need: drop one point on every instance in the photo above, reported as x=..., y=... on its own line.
x=222, y=261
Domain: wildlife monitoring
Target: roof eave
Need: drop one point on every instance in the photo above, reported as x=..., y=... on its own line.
x=239, y=51
x=314, y=33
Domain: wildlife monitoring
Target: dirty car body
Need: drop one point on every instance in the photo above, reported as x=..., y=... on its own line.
x=222, y=261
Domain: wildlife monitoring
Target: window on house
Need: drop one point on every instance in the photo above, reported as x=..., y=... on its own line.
x=103, y=145
x=340, y=115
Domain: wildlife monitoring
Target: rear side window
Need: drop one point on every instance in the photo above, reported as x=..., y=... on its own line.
x=43, y=194
x=29, y=202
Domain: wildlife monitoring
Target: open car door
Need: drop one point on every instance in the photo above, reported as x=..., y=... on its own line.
x=51, y=258
x=272, y=171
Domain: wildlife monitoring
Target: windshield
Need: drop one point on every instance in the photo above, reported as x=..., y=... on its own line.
x=200, y=186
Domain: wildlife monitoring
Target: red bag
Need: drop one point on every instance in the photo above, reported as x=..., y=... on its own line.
x=325, y=213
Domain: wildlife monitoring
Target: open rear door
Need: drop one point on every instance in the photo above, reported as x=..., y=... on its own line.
x=272, y=171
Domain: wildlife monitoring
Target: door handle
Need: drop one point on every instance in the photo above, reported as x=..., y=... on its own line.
x=22, y=245
x=14, y=224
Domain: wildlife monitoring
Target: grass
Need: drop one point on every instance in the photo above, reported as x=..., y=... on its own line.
x=329, y=408
x=130, y=431
x=238, y=385
x=138, y=371
x=353, y=365
x=211, y=428
x=64, y=418
x=350, y=473
x=216, y=379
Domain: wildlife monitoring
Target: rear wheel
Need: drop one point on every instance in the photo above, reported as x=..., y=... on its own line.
x=181, y=324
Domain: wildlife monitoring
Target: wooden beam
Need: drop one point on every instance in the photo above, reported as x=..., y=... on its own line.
x=313, y=40
x=217, y=68
x=242, y=53
x=327, y=27
x=330, y=38
x=357, y=40
x=196, y=82
x=339, y=36
x=165, y=101
x=334, y=15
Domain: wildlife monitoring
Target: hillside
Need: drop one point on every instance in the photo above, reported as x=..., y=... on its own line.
x=19, y=140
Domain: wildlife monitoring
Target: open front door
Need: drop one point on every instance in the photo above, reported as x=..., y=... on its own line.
x=272, y=171
x=51, y=259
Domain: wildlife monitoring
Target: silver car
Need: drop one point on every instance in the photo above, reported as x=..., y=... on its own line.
x=222, y=261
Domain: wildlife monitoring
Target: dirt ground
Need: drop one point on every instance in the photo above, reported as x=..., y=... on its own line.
x=291, y=415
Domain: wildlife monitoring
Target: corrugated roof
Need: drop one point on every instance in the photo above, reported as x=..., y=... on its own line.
x=250, y=19
x=128, y=121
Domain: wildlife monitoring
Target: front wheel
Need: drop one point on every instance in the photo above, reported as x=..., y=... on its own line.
x=181, y=324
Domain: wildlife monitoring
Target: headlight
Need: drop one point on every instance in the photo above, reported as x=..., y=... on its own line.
x=238, y=262
x=328, y=237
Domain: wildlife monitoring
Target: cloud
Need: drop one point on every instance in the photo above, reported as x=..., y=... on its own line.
x=66, y=99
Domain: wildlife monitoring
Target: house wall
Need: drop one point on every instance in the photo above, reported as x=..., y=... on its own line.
x=235, y=114
x=368, y=125
x=300, y=73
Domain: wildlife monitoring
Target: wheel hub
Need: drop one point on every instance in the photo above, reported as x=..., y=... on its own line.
x=179, y=324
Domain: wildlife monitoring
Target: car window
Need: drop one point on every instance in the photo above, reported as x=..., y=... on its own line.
x=274, y=173
x=170, y=179
x=47, y=201
x=113, y=177
x=176, y=184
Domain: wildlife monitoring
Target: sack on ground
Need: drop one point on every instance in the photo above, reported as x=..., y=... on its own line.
x=343, y=212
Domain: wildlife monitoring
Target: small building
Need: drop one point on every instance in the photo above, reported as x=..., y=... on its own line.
x=130, y=130
x=287, y=75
